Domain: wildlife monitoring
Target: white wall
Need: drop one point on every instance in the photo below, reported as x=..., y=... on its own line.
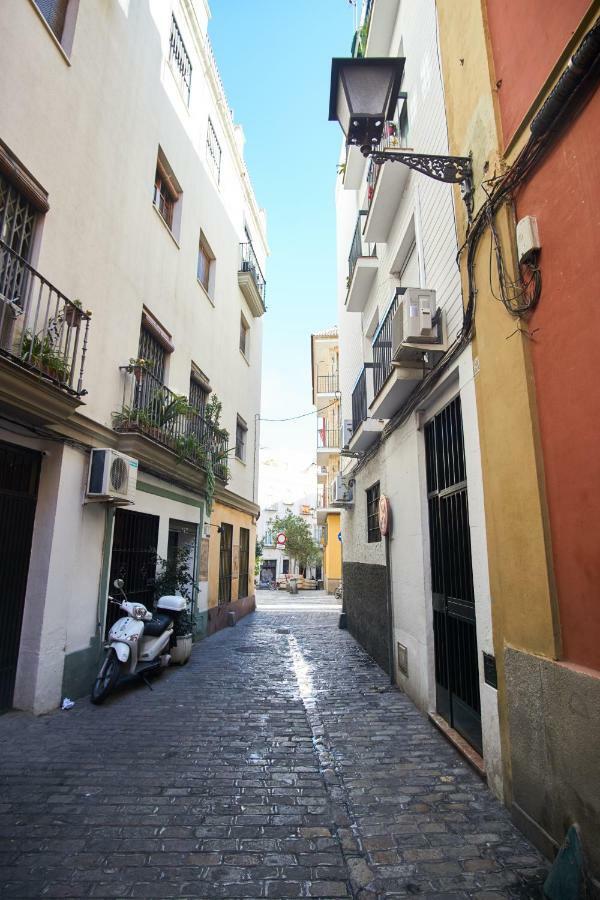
x=425, y=213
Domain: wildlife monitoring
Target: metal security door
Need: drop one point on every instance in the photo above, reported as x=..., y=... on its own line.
x=455, y=638
x=133, y=559
x=19, y=476
x=225, y=563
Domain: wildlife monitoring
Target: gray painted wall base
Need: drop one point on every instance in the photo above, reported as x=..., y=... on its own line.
x=554, y=722
x=365, y=589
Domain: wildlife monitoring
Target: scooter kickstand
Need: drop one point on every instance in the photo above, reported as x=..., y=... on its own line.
x=145, y=680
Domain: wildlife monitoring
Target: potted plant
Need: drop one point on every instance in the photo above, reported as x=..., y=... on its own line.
x=137, y=366
x=174, y=576
x=73, y=313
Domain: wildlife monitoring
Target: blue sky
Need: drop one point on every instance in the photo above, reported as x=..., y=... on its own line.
x=274, y=57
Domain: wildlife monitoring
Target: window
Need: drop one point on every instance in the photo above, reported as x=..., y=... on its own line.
x=206, y=261
x=154, y=354
x=54, y=12
x=17, y=218
x=241, y=433
x=213, y=152
x=198, y=394
x=225, y=567
x=180, y=61
x=244, y=562
x=286, y=567
x=244, y=336
x=167, y=193
x=373, y=532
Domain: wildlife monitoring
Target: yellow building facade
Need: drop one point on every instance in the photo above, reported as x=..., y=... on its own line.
x=330, y=438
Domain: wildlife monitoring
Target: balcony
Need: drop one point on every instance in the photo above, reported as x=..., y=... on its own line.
x=392, y=382
x=365, y=430
x=324, y=507
x=354, y=169
x=43, y=342
x=362, y=268
x=251, y=280
x=327, y=384
x=328, y=442
x=321, y=474
x=382, y=15
x=169, y=421
x=386, y=183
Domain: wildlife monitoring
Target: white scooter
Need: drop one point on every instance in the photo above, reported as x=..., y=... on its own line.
x=138, y=642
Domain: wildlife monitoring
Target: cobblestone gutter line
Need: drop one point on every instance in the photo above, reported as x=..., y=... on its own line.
x=361, y=878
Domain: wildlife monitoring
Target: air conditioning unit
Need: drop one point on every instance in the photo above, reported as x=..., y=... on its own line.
x=347, y=432
x=340, y=492
x=417, y=326
x=112, y=476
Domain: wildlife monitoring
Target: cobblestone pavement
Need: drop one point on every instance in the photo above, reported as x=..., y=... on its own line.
x=273, y=765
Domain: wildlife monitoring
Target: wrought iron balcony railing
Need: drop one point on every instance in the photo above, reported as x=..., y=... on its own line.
x=382, y=348
x=249, y=263
x=359, y=401
x=327, y=384
x=328, y=437
x=359, y=248
x=168, y=419
x=40, y=328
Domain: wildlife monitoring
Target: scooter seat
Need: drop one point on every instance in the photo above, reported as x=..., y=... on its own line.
x=159, y=622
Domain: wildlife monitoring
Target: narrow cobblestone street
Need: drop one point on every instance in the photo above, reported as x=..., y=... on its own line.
x=278, y=763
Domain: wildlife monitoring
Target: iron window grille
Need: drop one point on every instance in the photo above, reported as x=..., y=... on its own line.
x=54, y=12
x=244, y=562
x=198, y=396
x=373, y=532
x=179, y=59
x=150, y=350
x=17, y=219
x=241, y=433
x=213, y=151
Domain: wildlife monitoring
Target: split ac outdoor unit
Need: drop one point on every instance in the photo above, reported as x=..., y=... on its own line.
x=112, y=476
x=346, y=432
x=339, y=492
x=418, y=326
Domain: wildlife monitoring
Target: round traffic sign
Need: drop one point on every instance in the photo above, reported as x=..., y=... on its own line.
x=281, y=539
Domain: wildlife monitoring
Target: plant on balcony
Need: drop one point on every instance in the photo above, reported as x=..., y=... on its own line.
x=73, y=313
x=137, y=366
x=41, y=353
x=166, y=408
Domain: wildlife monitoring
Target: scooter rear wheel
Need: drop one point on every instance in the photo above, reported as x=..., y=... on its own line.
x=107, y=677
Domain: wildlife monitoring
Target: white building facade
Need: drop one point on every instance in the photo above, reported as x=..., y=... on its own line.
x=276, y=560
x=414, y=430
x=131, y=296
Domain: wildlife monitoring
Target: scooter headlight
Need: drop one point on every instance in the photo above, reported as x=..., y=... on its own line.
x=139, y=612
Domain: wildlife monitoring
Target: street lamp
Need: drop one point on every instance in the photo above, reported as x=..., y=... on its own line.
x=364, y=94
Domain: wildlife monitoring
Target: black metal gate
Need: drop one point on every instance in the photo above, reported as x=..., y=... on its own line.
x=455, y=638
x=225, y=559
x=19, y=477
x=135, y=539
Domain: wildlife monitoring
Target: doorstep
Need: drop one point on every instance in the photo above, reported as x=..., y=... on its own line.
x=464, y=748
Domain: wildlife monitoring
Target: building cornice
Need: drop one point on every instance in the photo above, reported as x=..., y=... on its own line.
x=229, y=498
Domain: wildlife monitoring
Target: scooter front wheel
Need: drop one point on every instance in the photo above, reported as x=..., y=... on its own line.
x=107, y=677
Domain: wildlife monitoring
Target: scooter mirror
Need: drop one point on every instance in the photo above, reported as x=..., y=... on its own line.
x=118, y=583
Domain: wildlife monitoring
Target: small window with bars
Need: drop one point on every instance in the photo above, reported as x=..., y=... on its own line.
x=213, y=152
x=180, y=62
x=373, y=532
x=167, y=193
x=241, y=435
x=244, y=336
x=17, y=219
x=244, y=562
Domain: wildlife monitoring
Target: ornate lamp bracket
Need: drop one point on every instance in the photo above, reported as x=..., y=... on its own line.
x=451, y=169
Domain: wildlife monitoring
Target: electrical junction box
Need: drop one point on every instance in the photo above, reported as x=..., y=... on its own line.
x=528, y=238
